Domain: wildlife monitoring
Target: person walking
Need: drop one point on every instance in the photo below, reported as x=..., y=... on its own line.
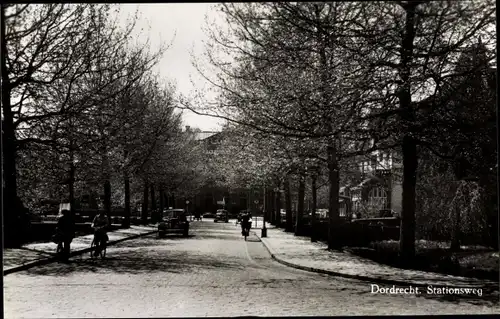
x=66, y=231
x=100, y=225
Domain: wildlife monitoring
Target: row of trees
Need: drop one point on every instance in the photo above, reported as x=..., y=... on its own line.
x=315, y=85
x=83, y=112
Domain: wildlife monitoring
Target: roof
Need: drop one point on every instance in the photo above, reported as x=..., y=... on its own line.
x=203, y=135
x=371, y=179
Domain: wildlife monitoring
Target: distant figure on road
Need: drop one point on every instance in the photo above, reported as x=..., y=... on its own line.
x=66, y=231
x=245, y=222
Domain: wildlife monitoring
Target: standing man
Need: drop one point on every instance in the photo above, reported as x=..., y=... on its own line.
x=66, y=229
x=100, y=225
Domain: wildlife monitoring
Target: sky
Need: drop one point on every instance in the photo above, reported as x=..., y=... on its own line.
x=181, y=25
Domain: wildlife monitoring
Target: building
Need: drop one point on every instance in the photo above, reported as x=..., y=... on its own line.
x=212, y=197
x=380, y=192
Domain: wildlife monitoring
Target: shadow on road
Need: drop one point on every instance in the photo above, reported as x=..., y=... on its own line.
x=136, y=261
x=38, y=251
x=150, y=254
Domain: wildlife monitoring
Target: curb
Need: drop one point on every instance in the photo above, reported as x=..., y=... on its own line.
x=49, y=260
x=493, y=286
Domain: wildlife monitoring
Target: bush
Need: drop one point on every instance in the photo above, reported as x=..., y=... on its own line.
x=437, y=195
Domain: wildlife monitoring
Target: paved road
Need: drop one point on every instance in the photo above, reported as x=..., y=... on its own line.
x=214, y=272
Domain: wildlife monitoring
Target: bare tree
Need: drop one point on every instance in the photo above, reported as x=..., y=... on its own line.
x=407, y=45
x=58, y=63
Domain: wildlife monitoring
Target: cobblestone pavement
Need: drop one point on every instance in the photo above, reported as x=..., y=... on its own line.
x=214, y=272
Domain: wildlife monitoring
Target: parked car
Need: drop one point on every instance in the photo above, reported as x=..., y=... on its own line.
x=233, y=215
x=221, y=215
x=208, y=215
x=173, y=221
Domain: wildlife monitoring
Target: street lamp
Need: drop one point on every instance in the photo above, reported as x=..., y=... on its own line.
x=187, y=211
x=256, y=202
x=313, y=169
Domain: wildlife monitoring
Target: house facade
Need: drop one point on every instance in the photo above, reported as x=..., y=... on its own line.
x=379, y=194
x=211, y=197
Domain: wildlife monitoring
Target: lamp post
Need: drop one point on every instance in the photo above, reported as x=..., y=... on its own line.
x=187, y=211
x=256, y=202
x=263, y=231
x=313, y=169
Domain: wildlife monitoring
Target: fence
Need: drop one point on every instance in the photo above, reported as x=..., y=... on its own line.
x=359, y=232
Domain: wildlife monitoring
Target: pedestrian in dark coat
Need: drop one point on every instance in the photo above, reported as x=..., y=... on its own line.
x=66, y=231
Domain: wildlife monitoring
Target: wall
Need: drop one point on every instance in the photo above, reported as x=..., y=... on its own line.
x=397, y=197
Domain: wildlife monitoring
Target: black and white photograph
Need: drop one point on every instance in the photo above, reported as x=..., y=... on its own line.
x=249, y=159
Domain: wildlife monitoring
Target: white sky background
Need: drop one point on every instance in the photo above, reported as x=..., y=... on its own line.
x=178, y=24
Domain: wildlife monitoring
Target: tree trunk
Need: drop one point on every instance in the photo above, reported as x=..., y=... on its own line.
x=333, y=212
x=265, y=206
x=145, y=197
x=107, y=198
x=126, y=217
x=278, y=205
x=153, y=205
x=11, y=227
x=71, y=186
x=456, y=232
x=313, y=208
x=409, y=145
x=407, y=236
x=162, y=203
x=455, y=235
x=288, y=206
x=300, y=206
x=272, y=207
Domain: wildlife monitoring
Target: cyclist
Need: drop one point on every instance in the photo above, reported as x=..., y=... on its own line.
x=100, y=225
x=245, y=222
x=65, y=230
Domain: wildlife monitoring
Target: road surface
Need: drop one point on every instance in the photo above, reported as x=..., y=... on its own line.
x=214, y=272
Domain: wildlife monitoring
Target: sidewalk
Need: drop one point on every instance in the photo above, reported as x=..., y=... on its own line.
x=31, y=255
x=299, y=252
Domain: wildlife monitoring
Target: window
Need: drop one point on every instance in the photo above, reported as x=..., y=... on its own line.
x=342, y=209
x=377, y=198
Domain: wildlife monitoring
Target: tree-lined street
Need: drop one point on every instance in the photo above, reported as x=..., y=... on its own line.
x=214, y=272
x=364, y=133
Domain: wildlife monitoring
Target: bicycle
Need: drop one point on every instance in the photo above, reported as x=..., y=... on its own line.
x=102, y=246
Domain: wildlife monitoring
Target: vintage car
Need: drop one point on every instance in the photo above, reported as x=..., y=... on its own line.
x=221, y=215
x=208, y=215
x=173, y=221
